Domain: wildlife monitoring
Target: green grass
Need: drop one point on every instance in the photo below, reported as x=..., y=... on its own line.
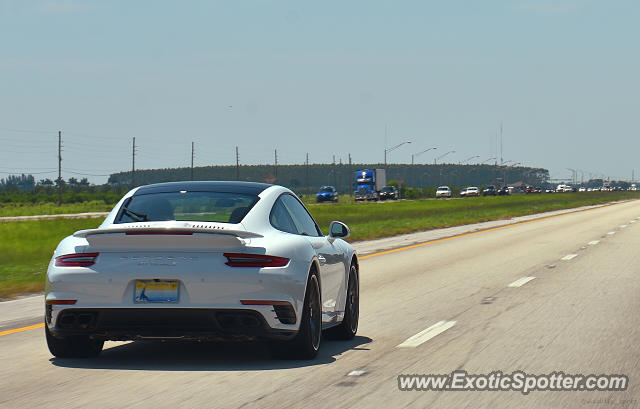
x=25, y=250
x=375, y=220
x=30, y=209
x=26, y=246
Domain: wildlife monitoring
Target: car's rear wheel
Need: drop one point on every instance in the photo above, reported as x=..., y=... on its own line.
x=306, y=343
x=74, y=346
x=349, y=325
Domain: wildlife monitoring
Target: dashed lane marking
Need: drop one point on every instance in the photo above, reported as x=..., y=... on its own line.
x=521, y=281
x=423, y=336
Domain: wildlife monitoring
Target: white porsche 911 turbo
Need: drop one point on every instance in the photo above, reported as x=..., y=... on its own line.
x=203, y=261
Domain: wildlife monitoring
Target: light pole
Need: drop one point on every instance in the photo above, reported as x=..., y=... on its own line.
x=573, y=176
x=468, y=159
x=420, y=153
x=435, y=161
x=482, y=163
x=505, y=170
x=391, y=149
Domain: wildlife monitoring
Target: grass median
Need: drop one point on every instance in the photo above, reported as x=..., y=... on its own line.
x=25, y=250
x=383, y=219
x=26, y=246
x=29, y=209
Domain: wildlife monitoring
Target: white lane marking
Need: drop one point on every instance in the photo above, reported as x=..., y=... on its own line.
x=356, y=373
x=594, y=242
x=427, y=334
x=569, y=257
x=611, y=233
x=622, y=226
x=632, y=221
x=521, y=281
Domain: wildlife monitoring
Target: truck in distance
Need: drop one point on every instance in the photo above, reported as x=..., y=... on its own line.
x=368, y=184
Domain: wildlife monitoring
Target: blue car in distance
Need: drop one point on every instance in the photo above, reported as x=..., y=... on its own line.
x=327, y=194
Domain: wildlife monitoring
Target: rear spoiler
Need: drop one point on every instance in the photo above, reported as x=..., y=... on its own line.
x=169, y=231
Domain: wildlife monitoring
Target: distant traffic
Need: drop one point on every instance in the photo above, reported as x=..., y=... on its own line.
x=371, y=185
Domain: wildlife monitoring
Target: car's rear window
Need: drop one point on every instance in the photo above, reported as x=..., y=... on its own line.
x=187, y=206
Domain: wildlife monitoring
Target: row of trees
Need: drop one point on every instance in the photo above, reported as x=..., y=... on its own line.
x=28, y=182
x=307, y=178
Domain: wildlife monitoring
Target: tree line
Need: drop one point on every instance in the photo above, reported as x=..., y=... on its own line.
x=307, y=178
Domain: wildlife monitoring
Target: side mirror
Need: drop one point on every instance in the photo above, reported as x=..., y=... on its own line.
x=338, y=230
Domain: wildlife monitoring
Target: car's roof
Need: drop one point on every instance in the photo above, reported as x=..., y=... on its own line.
x=443, y=187
x=251, y=188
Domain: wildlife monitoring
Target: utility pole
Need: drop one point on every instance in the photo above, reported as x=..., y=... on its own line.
x=349, y=159
x=275, y=153
x=501, y=158
x=192, y=149
x=237, y=164
x=59, y=168
x=133, y=163
x=307, y=162
x=335, y=177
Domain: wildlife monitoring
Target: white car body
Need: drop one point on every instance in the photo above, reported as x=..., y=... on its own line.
x=195, y=255
x=443, y=191
x=470, y=191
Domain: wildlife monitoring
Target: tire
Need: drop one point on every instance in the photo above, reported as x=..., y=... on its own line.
x=348, y=328
x=76, y=346
x=306, y=343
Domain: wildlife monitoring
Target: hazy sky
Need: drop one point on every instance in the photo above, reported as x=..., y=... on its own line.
x=318, y=77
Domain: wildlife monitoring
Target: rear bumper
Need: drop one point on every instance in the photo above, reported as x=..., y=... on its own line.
x=123, y=324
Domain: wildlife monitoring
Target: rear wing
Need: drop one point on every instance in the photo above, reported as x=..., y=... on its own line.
x=133, y=237
x=170, y=231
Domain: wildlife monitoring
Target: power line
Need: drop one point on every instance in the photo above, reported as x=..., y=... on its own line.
x=29, y=173
x=26, y=131
x=86, y=174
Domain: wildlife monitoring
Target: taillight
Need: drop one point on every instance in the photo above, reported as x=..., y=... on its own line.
x=76, y=260
x=254, y=260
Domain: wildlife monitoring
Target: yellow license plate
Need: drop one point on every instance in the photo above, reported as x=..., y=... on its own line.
x=156, y=291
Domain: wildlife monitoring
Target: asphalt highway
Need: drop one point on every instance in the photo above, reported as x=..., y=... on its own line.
x=560, y=293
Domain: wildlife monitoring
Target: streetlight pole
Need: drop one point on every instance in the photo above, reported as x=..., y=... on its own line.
x=435, y=161
x=468, y=159
x=505, y=171
x=391, y=149
x=420, y=153
x=573, y=176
